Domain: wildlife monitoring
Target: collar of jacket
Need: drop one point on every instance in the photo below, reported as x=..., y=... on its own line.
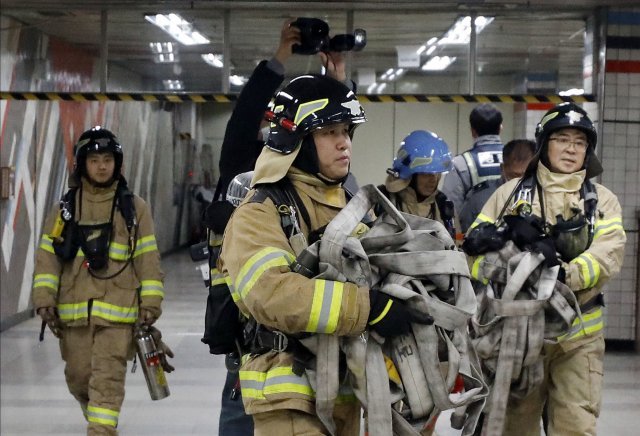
x=396, y=184
x=330, y=195
x=558, y=182
x=487, y=140
x=412, y=205
x=98, y=194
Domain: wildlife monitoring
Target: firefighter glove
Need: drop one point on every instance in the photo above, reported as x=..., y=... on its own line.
x=163, y=349
x=147, y=316
x=390, y=317
x=50, y=316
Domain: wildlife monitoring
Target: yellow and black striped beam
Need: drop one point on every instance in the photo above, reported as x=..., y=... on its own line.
x=227, y=98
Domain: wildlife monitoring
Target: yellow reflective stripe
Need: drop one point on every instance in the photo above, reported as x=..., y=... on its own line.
x=606, y=226
x=383, y=313
x=325, y=309
x=590, y=269
x=103, y=416
x=114, y=313
x=73, y=311
x=234, y=295
x=46, y=243
x=260, y=262
x=47, y=281
x=145, y=245
x=593, y=322
x=217, y=278
x=481, y=218
x=278, y=380
x=118, y=251
x=151, y=288
x=475, y=269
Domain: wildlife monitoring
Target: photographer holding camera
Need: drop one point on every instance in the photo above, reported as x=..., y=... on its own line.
x=245, y=135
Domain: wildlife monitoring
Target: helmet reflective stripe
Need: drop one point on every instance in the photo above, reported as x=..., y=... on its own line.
x=309, y=108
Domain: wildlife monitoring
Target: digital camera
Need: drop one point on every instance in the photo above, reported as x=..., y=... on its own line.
x=314, y=37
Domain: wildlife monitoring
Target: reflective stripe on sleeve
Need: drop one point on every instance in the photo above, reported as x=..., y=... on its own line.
x=475, y=269
x=100, y=415
x=593, y=323
x=481, y=218
x=145, y=245
x=151, y=288
x=325, y=309
x=589, y=268
x=73, y=311
x=47, y=281
x=46, y=243
x=278, y=380
x=607, y=226
x=217, y=278
x=259, y=263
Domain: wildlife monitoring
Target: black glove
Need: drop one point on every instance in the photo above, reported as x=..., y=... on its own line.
x=391, y=317
x=485, y=237
x=50, y=316
x=562, y=275
x=547, y=247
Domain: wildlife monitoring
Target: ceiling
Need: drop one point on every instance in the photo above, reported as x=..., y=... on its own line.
x=534, y=40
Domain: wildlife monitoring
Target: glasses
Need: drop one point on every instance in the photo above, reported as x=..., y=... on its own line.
x=565, y=142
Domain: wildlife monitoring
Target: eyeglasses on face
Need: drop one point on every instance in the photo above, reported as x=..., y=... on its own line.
x=565, y=141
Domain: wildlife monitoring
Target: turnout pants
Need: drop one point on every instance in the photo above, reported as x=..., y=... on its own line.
x=289, y=422
x=571, y=389
x=96, y=365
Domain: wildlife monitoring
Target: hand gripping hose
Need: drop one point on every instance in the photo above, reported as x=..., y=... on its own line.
x=520, y=308
x=415, y=260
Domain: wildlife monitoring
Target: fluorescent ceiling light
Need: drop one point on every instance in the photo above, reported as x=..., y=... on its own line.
x=173, y=85
x=165, y=58
x=421, y=49
x=460, y=31
x=237, y=80
x=213, y=59
x=162, y=47
x=179, y=28
x=432, y=41
x=371, y=88
x=431, y=50
x=381, y=88
x=438, y=63
x=572, y=91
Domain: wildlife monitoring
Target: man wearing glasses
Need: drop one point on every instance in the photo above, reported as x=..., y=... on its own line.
x=583, y=233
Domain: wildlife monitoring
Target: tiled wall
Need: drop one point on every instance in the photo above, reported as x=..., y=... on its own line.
x=620, y=142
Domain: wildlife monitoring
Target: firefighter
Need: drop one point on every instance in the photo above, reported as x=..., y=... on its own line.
x=307, y=155
x=97, y=274
x=412, y=183
x=582, y=234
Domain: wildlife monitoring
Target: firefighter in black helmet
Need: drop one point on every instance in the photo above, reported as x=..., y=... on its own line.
x=584, y=236
x=307, y=157
x=97, y=276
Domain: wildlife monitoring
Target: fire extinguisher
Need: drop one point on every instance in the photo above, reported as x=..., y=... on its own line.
x=149, y=358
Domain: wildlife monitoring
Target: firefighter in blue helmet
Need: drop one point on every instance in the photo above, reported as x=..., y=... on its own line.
x=412, y=183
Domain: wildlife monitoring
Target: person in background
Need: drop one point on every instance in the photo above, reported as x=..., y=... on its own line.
x=412, y=184
x=582, y=221
x=516, y=156
x=480, y=163
x=97, y=276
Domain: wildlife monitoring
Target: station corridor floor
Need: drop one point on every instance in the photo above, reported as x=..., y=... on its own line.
x=35, y=400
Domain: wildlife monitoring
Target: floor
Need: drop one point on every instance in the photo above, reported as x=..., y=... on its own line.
x=35, y=400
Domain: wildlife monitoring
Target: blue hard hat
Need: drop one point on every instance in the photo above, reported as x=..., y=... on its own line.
x=421, y=152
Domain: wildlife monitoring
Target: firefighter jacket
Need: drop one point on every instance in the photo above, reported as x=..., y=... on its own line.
x=80, y=296
x=256, y=256
x=588, y=272
x=404, y=197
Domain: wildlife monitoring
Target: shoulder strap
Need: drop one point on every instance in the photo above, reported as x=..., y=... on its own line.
x=126, y=205
x=284, y=196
